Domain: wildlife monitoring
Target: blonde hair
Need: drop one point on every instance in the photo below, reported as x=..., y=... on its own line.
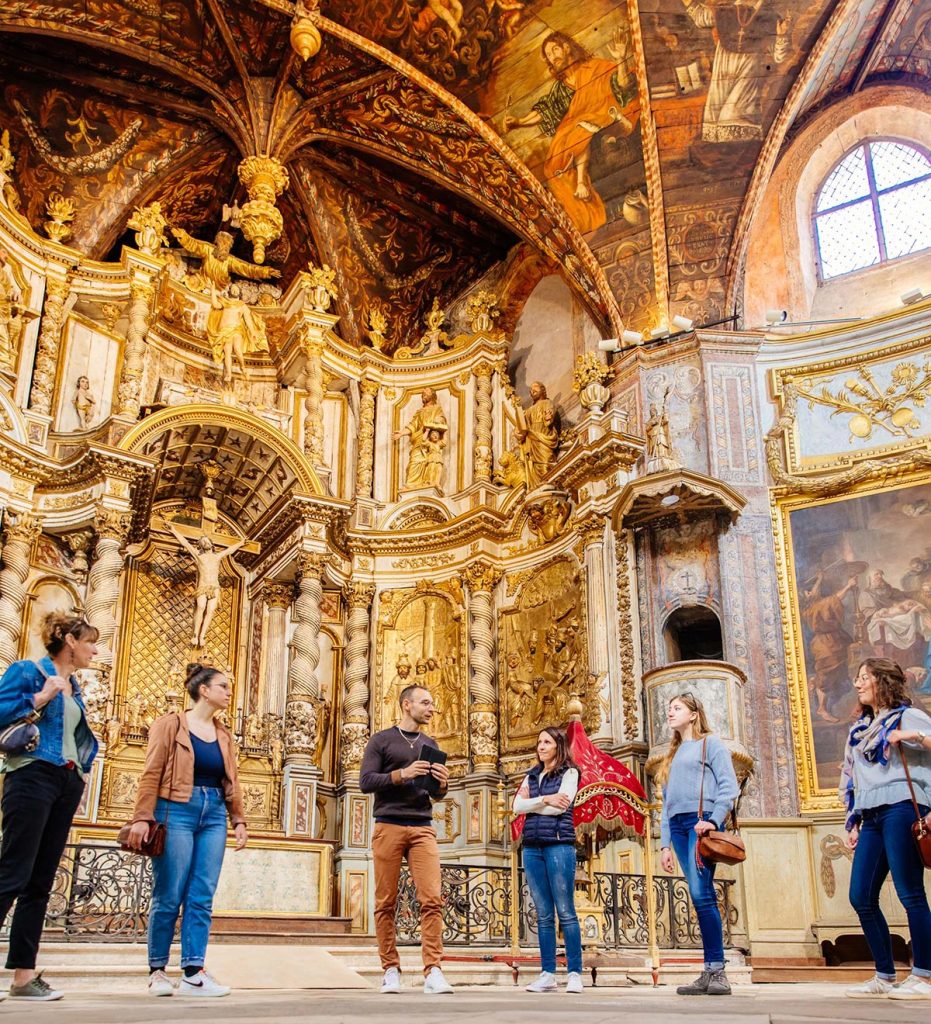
x=700, y=728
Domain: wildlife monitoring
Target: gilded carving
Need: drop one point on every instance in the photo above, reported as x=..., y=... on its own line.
x=535, y=440
x=625, y=633
x=53, y=315
x=482, y=311
x=543, y=656
x=588, y=381
x=13, y=314
x=264, y=178
x=60, y=211
x=548, y=515
x=320, y=283
x=427, y=430
x=149, y=223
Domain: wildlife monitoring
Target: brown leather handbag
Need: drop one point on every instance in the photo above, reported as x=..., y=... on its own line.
x=717, y=847
x=921, y=829
x=154, y=843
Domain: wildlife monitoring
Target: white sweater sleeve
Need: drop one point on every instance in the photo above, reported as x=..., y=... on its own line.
x=525, y=804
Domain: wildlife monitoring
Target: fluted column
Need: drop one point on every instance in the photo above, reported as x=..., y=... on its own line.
x=18, y=539
x=141, y=294
x=53, y=316
x=481, y=452
x=365, y=447
x=277, y=597
x=591, y=531
x=303, y=685
x=354, y=733
x=313, y=403
x=482, y=578
x=103, y=582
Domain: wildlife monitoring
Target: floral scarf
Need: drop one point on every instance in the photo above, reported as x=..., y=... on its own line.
x=869, y=736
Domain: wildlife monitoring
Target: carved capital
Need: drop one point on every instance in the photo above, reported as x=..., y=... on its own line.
x=278, y=595
x=369, y=387
x=484, y=370
x=112, y=525
x=312, y=563
x=359, y=595
x=590, y=528
x=482, y=575
x=23, y=530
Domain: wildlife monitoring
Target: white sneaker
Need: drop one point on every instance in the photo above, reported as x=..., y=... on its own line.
x=202, y=984
x=912, y=988
x=574, y=982
x=435, y=984
x=160, y=984
x=391, y=983
x=545, y=983
x=875, y=988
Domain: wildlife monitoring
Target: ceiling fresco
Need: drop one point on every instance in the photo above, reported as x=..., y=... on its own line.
x=432, y=144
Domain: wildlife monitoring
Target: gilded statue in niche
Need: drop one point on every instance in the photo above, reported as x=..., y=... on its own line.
x=207, y=558
x=12, y=314
x=536, y=438
x=421, y=641
x=427, y=429
x=544, y=656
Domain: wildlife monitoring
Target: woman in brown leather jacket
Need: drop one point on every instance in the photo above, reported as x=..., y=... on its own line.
x=190, y=783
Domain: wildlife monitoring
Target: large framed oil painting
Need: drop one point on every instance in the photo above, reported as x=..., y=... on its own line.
x=855, y=582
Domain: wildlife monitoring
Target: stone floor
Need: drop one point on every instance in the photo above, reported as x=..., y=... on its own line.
x=750, y=1004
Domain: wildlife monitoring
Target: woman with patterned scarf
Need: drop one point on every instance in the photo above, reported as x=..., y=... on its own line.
x=879, y=823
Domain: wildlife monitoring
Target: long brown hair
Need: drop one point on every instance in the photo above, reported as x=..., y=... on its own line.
x=700, y=728
x=889, y=685
x=563, y=757
x=577, y=53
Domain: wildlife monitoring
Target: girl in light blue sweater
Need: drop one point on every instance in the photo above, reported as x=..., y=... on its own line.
x=680, y=775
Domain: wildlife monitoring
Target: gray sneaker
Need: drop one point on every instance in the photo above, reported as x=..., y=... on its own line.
x=38, y=990
x=699, y=987
x=718, y=985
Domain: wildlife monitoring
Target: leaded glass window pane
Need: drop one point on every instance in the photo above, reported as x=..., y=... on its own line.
x=848, y=181
x=906, y=219
x=847, y=239
x=894, y=163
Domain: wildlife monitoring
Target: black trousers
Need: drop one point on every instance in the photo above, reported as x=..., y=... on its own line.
x=39, y=802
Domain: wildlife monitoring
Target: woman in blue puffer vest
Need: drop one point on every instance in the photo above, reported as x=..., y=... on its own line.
x=546, y=796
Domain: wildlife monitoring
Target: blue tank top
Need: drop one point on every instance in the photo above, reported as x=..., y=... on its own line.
x=208, y=763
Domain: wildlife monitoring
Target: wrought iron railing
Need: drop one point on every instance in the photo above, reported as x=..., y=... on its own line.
x=100, y=893
x=477, y=909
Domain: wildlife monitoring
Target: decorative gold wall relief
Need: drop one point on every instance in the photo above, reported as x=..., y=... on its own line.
x=421, y=640
x=543, y=655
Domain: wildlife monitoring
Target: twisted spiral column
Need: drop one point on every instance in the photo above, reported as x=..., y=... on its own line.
x=313, y=403
x=482, y=578
x=365, y=447
x=303, y=685
x=18, y=540
x=355, y=728
x=103, y=581
x=482, y=454
x=141, y=294
x=46, y=367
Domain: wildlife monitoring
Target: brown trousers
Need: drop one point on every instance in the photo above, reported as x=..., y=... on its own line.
x=390, y=845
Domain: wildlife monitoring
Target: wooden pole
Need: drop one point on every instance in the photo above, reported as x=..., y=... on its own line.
x=653, y=947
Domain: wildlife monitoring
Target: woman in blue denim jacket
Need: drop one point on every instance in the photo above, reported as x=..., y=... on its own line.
x=695, y=754
x=42, y=789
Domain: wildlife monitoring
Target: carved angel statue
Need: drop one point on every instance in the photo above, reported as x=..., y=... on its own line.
x=84, y=402
x=207, y=595
x=234, y=330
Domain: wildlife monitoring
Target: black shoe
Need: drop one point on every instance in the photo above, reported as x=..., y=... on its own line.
x=699, y=987
x=719, y=985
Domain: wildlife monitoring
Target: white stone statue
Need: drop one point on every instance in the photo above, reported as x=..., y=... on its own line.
x=207, y=558
x=84, y=402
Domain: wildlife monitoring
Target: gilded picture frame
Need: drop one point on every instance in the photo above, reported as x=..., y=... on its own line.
x=850, y=587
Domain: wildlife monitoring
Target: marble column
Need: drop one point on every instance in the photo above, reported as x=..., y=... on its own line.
x=313, y=403
x=591, y=531
x=354, y=733
x=103, y=582
x=18, y=540
x=481, y=577
x=141, y=294
x=482, y=445
x=365, y=443
x=46, y=367
x=277, y=598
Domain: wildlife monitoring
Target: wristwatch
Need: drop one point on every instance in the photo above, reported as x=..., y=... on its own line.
x=922, y=736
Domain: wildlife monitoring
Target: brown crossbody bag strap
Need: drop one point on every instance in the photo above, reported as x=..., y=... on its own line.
x=701, y=787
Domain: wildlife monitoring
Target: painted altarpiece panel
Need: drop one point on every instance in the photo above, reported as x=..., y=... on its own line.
x=543, y=656
x=421, y=640
x=855, y=582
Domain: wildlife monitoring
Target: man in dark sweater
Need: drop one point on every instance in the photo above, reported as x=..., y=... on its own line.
x=403, y=827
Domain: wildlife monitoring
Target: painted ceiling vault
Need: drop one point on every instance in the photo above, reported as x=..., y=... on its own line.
x=429, y=142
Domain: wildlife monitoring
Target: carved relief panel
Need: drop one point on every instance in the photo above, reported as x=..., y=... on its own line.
x=421, y=639
x=543, y=655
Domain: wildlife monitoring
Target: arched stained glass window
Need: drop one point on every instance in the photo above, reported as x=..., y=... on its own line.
x=873, y=207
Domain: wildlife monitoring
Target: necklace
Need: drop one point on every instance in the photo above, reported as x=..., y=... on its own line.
x=410, y=743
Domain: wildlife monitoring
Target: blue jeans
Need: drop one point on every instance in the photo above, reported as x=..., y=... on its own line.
x=701, y=888
x=186, y=875
x=550, y=872
x=885, y=845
